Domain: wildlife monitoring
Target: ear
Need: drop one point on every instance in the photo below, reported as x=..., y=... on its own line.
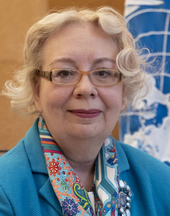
x=37, y=98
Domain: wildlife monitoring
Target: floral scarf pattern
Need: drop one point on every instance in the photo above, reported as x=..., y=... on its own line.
x=69, y=190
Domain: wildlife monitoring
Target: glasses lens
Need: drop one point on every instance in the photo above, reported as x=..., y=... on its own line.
x=65, y=76
x=105, y=77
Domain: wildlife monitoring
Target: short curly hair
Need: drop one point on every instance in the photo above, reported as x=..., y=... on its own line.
x=21, y=89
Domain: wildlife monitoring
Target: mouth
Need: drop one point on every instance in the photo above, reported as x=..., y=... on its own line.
x=92, y=113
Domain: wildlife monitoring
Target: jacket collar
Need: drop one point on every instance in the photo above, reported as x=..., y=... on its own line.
x=34, y=150
x=38, y=166
x=36, y=156
x=123, y=162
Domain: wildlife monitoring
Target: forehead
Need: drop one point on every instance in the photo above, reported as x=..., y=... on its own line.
x=79, y=41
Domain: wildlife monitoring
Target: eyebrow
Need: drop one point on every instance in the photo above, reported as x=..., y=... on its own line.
x=63, y=60
x=96, y=61
x=101, y=60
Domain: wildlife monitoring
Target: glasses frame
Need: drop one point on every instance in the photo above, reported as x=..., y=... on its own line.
x=48, y=75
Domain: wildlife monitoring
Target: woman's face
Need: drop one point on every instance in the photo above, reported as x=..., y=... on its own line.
x=82, y=111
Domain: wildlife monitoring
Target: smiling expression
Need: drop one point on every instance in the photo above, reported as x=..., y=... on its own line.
x=82, y=111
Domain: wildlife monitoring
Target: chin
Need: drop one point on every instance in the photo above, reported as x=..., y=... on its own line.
x=85, y=133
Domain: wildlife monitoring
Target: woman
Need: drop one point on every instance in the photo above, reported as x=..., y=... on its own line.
x=81, y=70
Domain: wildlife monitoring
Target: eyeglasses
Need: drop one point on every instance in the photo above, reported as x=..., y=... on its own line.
x=99, y=77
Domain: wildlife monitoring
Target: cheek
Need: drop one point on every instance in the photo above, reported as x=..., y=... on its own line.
x=114, y=105
x=55, y=98
x=113, y=99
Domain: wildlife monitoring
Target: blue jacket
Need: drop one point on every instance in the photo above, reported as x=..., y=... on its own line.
x=25, y=189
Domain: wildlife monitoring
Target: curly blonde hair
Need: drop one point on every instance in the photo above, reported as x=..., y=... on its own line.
x=21, y=89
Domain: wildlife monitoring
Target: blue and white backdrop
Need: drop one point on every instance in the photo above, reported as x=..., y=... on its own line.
x=147, y=127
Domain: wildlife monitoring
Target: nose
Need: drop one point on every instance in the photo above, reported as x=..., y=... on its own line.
x=84, y=88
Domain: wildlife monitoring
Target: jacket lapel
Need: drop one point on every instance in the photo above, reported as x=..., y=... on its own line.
x=38, y=166
x=123, y=162
x=47, y=192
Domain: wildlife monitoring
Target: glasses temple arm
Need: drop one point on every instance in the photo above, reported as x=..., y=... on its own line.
x=45, y=74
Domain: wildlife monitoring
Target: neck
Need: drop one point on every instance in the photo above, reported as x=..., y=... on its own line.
x=85, y=172
x=81, y=154
x=81, y=150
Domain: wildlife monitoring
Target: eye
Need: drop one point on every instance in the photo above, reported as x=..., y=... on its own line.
x=64, y=73
x=64, y=76
x=103, y=73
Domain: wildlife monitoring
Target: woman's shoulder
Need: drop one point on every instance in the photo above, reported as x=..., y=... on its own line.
x=18, y=156
x=141, y=160
x=13, y=159
x=148, y=179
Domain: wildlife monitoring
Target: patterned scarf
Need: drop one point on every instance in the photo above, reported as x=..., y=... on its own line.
x=69, y=190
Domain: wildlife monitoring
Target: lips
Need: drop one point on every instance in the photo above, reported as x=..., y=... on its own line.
x=92, y=113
